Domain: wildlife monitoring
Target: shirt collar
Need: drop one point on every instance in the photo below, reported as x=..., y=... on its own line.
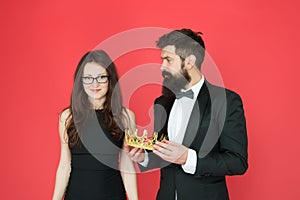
x=196, y=88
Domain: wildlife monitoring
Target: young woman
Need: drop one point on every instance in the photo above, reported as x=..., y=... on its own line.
x=92, y=163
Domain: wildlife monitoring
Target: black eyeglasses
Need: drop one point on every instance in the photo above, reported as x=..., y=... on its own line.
x=99, y=79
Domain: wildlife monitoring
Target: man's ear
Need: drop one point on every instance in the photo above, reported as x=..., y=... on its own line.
x=190, y=61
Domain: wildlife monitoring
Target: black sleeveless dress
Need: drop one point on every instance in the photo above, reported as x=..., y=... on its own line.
x=94, y=162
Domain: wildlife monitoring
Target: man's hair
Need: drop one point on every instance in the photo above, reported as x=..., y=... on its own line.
x=186, y=42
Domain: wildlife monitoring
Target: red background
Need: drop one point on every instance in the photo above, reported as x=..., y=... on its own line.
x=255, y=45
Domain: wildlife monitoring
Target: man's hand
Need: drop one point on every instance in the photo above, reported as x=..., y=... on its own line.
x=171, y=152
x=134, y=153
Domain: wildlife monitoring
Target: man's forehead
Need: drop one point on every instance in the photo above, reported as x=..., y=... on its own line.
x=168, y=50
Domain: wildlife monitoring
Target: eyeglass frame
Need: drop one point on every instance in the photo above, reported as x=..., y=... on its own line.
x=95, y=78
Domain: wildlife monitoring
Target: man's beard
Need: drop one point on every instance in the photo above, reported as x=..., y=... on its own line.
x=173, y=84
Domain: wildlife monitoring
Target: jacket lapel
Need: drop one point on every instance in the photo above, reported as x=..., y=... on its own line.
x=162, y=109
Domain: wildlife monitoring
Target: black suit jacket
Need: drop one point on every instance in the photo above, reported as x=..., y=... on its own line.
x=217, y=132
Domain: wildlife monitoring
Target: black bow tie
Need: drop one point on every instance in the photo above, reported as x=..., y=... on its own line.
x=188, y=94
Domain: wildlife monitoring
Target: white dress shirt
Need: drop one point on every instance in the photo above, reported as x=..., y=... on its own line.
x=178, y=121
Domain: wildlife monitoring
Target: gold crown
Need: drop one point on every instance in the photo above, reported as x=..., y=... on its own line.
x=144, y=141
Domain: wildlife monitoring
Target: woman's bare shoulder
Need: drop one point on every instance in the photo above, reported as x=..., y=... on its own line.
x=64, y=115
x=129, y=112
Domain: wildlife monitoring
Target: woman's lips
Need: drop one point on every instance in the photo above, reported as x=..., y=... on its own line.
x=95, y=90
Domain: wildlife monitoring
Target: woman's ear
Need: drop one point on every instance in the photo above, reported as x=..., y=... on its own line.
x=190, y=61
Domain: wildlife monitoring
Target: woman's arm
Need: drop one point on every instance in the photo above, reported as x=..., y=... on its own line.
x=127, y=168
x=128, y=176
x=64, y=166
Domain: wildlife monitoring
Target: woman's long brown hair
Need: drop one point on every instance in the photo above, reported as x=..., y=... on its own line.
x=81, y=108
